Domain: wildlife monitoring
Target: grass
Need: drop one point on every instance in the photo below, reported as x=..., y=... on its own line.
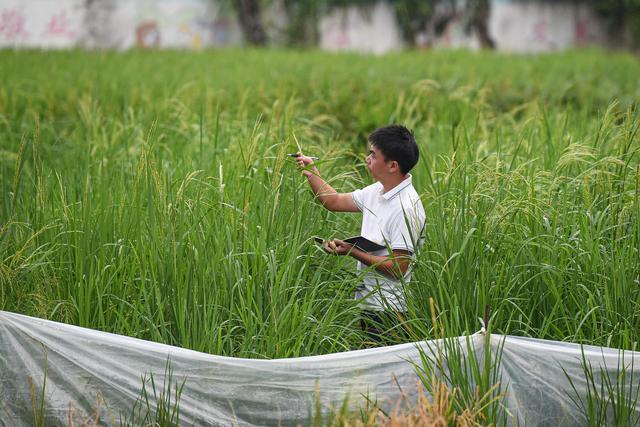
x=148, y=193
x=612, y=396
x=158, y=404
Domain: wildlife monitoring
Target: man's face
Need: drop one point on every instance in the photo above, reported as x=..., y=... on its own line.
x=376, y=163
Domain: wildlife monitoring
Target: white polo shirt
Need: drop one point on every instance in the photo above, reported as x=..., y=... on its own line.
x=394, y=219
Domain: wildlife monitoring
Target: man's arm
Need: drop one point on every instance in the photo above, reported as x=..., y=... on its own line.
x=395, y=265
x=326, y=194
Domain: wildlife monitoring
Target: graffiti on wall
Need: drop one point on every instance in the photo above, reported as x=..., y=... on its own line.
x=147, y=35
x=335, y=35
x=119, y=24
x=59, y=25
x=582, y=30
x=354, y=28
x=543, y=26
x=40, y=23
x=222, y=30
x=193, y=24
x=13, y=25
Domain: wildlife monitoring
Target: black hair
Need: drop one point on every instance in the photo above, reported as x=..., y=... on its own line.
x=396, y=142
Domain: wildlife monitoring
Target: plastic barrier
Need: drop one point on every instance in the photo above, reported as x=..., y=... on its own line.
x=100, y=375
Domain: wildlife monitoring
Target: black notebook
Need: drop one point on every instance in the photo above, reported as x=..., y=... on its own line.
x=359, y=242
x=364, y=244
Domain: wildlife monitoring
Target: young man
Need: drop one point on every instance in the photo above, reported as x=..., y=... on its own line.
x=392, y=215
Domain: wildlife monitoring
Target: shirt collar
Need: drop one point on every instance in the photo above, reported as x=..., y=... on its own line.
x=397, y=189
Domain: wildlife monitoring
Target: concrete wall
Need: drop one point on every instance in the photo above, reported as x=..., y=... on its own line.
x=542, y=27
x=372, y=30
x=159, y=23
x=518, y=26
x=41, y=23
x=116, y=24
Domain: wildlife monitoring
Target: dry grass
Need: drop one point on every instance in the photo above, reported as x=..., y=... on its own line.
x=436, y=409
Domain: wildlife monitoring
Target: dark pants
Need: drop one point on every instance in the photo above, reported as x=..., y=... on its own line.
x=384, y=327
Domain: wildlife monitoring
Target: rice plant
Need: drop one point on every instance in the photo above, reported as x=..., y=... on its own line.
x=158, y=404
x=149, y=193
x=612, y=393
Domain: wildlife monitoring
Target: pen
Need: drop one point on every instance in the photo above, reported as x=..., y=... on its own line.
x=298, y=155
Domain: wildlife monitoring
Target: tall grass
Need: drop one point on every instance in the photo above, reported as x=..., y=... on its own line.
x=148, y=193
x=158, y=403
x=610, y=399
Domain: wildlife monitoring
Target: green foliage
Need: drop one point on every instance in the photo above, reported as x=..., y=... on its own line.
x=620, y=13
x=38, y=395
x=413, y=17
x=471, y=372
x=158, y=404
x=148, y=193
x=611, y=398
x=303, y=16
x=302, y=21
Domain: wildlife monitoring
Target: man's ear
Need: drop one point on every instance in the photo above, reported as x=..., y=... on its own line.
x=394, y=166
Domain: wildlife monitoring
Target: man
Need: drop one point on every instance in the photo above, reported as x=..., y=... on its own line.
x=392, y=215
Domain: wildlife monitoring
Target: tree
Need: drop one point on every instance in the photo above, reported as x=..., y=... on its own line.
x=413, y=17
x=250, y=18
x=303, y=17
x=620, y=15
x=478, y=13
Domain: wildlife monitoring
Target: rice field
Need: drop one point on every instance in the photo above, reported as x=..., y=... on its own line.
x=149, y=193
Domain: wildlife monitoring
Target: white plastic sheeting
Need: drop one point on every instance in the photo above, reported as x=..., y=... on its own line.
x=91, y=372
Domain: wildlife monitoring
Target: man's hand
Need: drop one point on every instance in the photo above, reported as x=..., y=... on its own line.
x=337, y=247
x=394, y=266
x=303, y=164
x=328, y=196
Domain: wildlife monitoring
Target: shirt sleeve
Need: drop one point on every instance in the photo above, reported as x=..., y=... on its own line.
x=361, y=196
x=404, y=230
x=358, y=198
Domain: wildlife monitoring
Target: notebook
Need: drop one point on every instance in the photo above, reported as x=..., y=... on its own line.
x=359, y=242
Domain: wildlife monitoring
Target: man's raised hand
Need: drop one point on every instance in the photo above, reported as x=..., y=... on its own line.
x=303, y=163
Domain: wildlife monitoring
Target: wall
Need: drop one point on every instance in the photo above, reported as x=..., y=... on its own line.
x=518, y=26
x=372, y=30
x=116, y=24
x=41, y=23
x=542, y=27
